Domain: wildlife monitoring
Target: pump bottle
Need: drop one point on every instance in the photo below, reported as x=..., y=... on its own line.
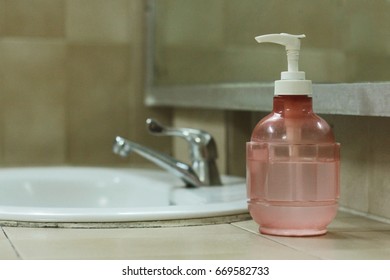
x=293, y=161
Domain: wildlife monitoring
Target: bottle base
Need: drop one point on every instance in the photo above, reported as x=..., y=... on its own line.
x=293, y=220
x=292, y=232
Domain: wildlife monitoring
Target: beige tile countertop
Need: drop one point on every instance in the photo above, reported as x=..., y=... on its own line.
x=349, y=237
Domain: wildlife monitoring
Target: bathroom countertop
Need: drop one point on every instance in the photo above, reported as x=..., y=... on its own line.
x=349, y=237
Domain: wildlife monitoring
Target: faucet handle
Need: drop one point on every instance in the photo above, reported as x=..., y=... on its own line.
x=203, y=149
x=195, y=137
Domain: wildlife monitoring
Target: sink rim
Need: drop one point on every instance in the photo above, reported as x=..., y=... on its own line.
x=176, y=212
x=119, y=214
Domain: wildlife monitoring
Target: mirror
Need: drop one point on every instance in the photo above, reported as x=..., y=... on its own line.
x=202, y=42
x=206, y=43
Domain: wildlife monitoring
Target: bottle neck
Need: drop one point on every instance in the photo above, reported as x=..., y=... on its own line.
x=293, y=105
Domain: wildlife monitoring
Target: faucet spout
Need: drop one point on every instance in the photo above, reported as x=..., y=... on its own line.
x=124, y=147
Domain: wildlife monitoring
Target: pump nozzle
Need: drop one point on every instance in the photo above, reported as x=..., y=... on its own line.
x=295, y=82
x=292, y=44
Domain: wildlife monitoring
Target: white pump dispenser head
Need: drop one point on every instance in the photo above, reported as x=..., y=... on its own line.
x=292, y=81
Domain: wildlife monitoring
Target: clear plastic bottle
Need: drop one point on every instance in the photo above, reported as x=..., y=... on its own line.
x=293, y=166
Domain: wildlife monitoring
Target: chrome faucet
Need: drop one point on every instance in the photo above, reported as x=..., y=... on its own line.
x=203, y=170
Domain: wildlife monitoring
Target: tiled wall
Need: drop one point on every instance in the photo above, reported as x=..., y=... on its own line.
x=365, y=162
x=71, y=79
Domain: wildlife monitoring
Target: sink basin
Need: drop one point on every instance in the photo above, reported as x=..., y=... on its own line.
x=91, y=194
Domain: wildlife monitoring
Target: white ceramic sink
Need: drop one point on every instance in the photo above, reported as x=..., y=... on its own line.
x=88, y=194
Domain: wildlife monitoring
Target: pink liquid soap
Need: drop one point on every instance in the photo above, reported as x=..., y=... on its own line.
x=293, y=170
x=292, y=197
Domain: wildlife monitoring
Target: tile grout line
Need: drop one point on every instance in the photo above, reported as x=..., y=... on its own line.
x=365, y=215
x=11, y=243
x=274, y=241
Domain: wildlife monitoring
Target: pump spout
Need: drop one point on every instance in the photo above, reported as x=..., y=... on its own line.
x=292, y=44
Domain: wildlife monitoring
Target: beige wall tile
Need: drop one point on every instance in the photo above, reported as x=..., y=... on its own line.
x=64, y=101
x=33, y=18
x=229, y=64
x=239, y=132
x=379, y=149
x=363, y=22
x=98, y=100
x=355, y=163
x=365, y=161
x=204, y=21
x=177, y=66
x=98, y=20
x=263, y=17
x=33, y=107
x=2, y=17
